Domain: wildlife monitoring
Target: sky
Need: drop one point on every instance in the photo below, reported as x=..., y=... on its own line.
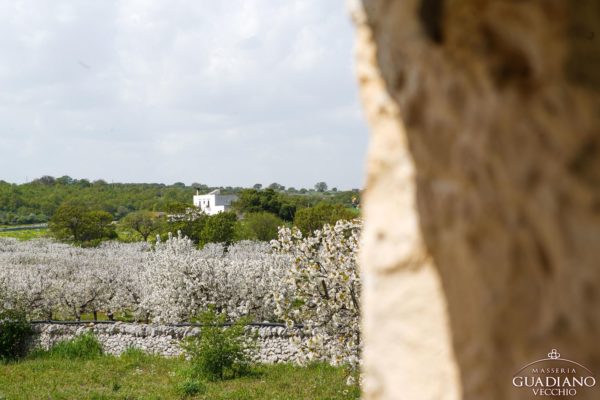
x=224, y=93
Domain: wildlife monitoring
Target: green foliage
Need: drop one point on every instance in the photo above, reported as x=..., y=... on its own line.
x=313, y=218
x=82, y=347
x=145, y=223
x=218, y=228
x=321, y=186
x=267, y=200
x=191, y=387
x=25, y=234
x=258, y=226
x=75, y=223
x=38, y=200
x=134, y=355
x=192, y=228
x=115, y=378
x=14, y=333
x=219, y=352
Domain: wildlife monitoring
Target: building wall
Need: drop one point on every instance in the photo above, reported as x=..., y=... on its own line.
x=216, y=203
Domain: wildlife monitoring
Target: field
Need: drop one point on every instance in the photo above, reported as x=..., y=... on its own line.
x=25, y=234
x=174, y=282
x=140, y=376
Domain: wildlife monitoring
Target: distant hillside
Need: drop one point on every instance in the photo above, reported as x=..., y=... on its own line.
x=36, y=201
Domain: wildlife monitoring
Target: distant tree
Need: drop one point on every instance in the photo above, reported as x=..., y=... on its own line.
x=258, y=226
x=179, y=184
x=83, y=183
x=65, y=180
x=291, y=189
x=99, y=182
x=219, y=228
x=320, y=186
x=143, y=222
x=175, y=207
x=276, y=186
x=312, y=218
x=287, y=211
x=190, y=223
x=97, y=225
x=334, y=189
x=252, y=200
x=257, y=186
x=199, y=186
x=67, y=222
x=73, y=222
x=46, y=180
x=122, y=211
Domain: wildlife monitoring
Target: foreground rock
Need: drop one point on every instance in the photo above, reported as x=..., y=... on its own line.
x=482, y=207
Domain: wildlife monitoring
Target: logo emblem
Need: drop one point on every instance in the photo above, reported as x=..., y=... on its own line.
x=554, y=376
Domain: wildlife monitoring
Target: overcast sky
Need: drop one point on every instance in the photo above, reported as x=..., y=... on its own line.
x=230, y=92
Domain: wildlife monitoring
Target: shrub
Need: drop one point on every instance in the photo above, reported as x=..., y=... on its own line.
x=73, y=222
x=219, y=228
x=82, y=347
x=219, y=352
x=258, y=226
x=14, y=333
x=310, y=219
x=191, y=387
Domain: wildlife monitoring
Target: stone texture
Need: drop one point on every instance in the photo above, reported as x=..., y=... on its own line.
x=274, y=343
x=482, y=207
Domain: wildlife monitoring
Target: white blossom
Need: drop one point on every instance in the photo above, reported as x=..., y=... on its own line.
x=322, y=290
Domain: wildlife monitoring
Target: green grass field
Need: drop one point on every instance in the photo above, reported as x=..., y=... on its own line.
x=26, y=234
x=152, y=377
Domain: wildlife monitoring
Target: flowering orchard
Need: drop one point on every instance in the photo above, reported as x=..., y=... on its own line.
x=322, y=289
x=312, y=281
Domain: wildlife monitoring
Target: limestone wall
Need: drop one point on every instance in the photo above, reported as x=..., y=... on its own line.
x=482, y=206
x=273, y=341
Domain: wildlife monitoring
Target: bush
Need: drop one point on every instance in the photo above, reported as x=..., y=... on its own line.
x=14, y=333
x=258, y=226
x=76, y=223
x=310, y=219
x=219, y=352
x=219, y=228
x=191, y=387
x=82, y=347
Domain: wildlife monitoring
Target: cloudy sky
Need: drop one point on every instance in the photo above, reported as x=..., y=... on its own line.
x=225, y=93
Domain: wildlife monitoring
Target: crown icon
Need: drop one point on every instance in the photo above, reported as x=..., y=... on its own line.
x=554, y=355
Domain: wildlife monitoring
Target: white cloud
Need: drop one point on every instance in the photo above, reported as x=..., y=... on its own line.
x=260, y=90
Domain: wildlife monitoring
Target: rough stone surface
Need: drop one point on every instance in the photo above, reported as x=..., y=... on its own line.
x=482, y=206
x=274, y=344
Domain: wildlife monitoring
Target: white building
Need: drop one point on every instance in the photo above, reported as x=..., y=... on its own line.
x=214, y=202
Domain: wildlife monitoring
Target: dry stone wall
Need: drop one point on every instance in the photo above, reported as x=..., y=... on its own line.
x=482, y=206
x=273, y=341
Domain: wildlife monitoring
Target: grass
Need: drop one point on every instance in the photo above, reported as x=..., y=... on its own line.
x=84, y=347
x=136, y=375
x=26, y=234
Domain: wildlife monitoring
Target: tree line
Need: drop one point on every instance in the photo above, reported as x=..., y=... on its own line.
x=37, y=201
x=88, y=213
